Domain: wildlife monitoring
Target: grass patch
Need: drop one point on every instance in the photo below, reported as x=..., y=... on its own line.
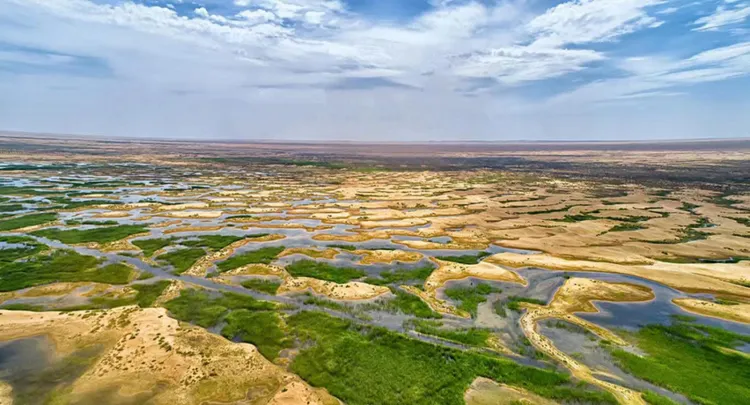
x=212, y=242
x=689, y=207
x=150, y=246
x=549, y=211
x=182, y=259
x=577, y=218
x=685, y=357
x=653, y=398
x=368, y=365
x=323, y=271
x=260, y=328
x=261, y=285
x=401, y=276
x=514, y=302
x=260, y=256
x=405, y=303
x=343, y=247
x=26, y=247
x=60, y=265
x=626, y=227
x=471, y=337
x=202, y=309
x=469, y=298
x=465, y=259
x=26, y=220
x=10, y=207
x=99, y=235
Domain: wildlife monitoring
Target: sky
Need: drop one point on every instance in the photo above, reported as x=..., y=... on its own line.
x=377, y=70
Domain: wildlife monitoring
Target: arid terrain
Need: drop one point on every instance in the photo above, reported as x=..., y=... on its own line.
x=158, y=272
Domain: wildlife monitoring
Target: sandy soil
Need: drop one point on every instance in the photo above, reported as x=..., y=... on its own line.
x=736, y=313
x=484, y=391
x=148, y=354
x=387, y=256
x=311, y=252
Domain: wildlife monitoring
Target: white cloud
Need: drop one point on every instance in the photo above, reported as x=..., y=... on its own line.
x=723, y=16
x=520, y=64
x=585, y=21
x=201, y=11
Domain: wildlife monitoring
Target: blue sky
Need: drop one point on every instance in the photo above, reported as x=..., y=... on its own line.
x=388, y=70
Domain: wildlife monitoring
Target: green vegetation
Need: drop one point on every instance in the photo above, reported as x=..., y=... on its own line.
x=261, y=285
x=27, y=247
x=26, y=220
x=368, y=365
x=146, y=295
x=513, y=302
x=465, y=259
x=145, y=275
x=263, y=255
x=323, y=271
x=401, y=276
x=247, y=319
x=60, y=265
x=743, y=221
x=10, y=207
x=724, y=200
x=212, y=242
x=240, y=217
x=149, y=246
x=261, y=328
x=549, y=211
x=626, y=227
x=577, y=218
x=471, y=337
x=405, y=303
x=343, y=247
x=632, y=219
x=182, y=259
x=100, y=235
x=469, y=298
x=689, y=207
x=99, y=223
x=68, y=204
x=691, y=359
x=657, y=399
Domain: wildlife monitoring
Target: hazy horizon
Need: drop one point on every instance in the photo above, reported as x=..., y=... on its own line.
x=386, y=71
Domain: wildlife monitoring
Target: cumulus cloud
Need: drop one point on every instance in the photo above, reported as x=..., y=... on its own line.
x=320, y=62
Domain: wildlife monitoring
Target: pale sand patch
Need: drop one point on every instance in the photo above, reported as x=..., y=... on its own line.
x=706, y=277
x=176, y=207
x=257, y=269
x=33, y=228
x=311, y=252
x=455, y=245
x=576, y=296
x=171, y=292
x=737, y=313
x=6, y=393
x=192, y=228
x=395, y=223
x=387, y=256
x=146, y=352
x=484, y=391
x=352, y=291
x=193, y=214
x=112, y=214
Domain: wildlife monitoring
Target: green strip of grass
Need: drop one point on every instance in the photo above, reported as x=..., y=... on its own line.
x=687, y=358
x=60, y=265
x=465, y=259
x=149, y=246
x=404, y=303
x=323, y=271
x=212, y=242
x=261, y=256
x=260, y=328
x=399, y=276
x=182, y=259
x=657, y=399
x=26, y=220
x=10, y=207
x=202, y=309
x=513, y=302
x=343, y=247
x=367, y=365
x=469, y=298
x=626, y=227
x=471, y=337
x=100, y=235
x=261, y=285
x=28, y=247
